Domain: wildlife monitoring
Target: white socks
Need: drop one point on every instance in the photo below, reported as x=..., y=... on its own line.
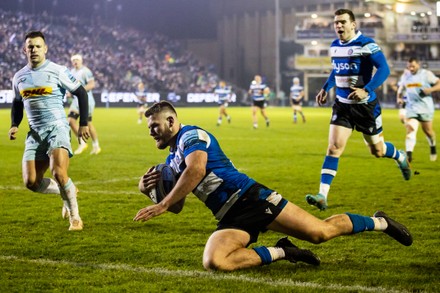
x=276, y=253
x=68, y=194
x=324, y=189
x=380, y=224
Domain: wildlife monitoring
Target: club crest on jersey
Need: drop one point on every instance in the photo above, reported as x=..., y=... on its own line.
x=35, y=92
x=350, y=52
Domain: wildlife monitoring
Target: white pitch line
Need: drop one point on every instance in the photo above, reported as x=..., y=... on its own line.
x=217, y=276
x=107, y=181
x=83, y=183
x=83, y=191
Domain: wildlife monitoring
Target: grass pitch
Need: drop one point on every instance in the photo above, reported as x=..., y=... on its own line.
x=115, y=254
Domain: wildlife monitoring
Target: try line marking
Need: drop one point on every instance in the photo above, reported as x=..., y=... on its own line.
x=218, y=276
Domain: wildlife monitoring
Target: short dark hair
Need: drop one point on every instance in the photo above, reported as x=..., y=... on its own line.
x=159, y=107
x=413, y=59
x=345, y=11
x=34, y=34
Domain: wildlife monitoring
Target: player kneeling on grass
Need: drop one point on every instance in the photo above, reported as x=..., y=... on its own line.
x=243, y=207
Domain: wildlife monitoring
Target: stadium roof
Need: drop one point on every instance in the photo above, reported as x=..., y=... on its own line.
x=176, y=18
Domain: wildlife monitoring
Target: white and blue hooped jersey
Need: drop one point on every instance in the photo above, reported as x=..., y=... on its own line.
x=42, y=91
x=412, y=85
x=295, y=91
x=222, y=179
x=257, y=91
x=84, y=75
x=223, y=94
x=353, y=64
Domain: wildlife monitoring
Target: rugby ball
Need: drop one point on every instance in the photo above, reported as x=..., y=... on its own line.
x=166, y=183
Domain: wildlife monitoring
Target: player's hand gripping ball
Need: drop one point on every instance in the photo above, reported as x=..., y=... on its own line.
x=166, y=183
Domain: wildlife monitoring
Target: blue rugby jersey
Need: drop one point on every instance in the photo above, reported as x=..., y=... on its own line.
x=353, y=64
x=222, y=179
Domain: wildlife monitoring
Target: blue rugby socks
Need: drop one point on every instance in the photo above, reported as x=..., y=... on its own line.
x=328, y=172
x=364, y=223
x=269, y=254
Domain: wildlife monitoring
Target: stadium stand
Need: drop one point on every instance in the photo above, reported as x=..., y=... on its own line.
x=120, y=57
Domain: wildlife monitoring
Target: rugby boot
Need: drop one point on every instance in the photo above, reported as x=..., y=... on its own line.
x=318, y=201
x=95, y=151
x=76, y=225
x=81, y=148
x=404, y=166
x=395, y=229
x=295, y=254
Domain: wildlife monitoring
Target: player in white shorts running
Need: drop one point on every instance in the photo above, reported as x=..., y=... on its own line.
x=85, y=76
x=417, y=84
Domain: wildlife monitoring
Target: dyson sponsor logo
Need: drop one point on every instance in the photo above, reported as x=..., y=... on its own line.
x=343, y=66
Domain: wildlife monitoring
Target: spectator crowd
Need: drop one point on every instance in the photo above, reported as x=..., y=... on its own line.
x=119, y=57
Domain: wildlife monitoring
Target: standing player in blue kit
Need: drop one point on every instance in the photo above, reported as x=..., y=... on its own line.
x=356, y=107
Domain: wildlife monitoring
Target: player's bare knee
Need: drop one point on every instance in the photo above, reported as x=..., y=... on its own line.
x=333, y=150
x=216, y=262
x=211, y=263
x=319, y=236
x=60, y=177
